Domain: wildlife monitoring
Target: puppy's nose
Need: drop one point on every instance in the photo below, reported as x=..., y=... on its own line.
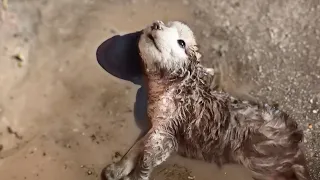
x=157, y=25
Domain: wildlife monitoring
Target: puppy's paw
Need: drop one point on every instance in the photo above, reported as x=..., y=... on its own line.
x=113, y=172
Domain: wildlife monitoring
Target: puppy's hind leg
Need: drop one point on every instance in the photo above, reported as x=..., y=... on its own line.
x=157, y=149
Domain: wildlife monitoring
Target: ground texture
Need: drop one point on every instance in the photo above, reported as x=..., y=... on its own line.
x=63, y=117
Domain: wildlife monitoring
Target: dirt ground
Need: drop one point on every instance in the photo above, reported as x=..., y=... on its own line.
x=63, y=117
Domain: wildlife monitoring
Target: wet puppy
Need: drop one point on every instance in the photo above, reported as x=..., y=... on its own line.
x=191, y=119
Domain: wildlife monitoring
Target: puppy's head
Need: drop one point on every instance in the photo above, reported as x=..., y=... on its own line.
x=169, y=46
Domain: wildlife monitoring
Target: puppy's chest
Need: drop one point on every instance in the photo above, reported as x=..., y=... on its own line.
x=161, y=106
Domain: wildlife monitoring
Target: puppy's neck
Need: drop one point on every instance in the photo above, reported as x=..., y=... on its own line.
x=158, y=81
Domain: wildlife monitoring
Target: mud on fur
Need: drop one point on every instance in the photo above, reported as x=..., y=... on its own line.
x=195, y=121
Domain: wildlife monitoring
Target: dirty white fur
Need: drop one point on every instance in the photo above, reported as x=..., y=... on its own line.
x=195, y=121
x=166, y=52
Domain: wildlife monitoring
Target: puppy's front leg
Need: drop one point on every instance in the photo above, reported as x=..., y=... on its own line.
x=158, y=147
x=118, y=170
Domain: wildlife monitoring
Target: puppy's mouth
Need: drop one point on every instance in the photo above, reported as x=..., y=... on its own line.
x=153, y=41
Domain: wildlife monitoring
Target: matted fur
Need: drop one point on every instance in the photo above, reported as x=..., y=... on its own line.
x=192, y=119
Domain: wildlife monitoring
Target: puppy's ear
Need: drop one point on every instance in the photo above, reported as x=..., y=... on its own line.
x=198, y=56
x=194, y=53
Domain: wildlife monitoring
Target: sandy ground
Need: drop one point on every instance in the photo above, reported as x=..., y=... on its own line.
x=63, y=117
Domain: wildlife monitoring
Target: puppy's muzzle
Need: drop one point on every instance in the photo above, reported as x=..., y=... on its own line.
x=157, y=25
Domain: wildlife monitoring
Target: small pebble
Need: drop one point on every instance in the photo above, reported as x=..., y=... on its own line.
x=89, y=172
x=317, y=125
x=117, y=154
x=113, y=31
x=18, y=57
x=312, y=154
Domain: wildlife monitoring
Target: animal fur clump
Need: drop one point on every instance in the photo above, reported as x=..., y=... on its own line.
x=192, y=119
